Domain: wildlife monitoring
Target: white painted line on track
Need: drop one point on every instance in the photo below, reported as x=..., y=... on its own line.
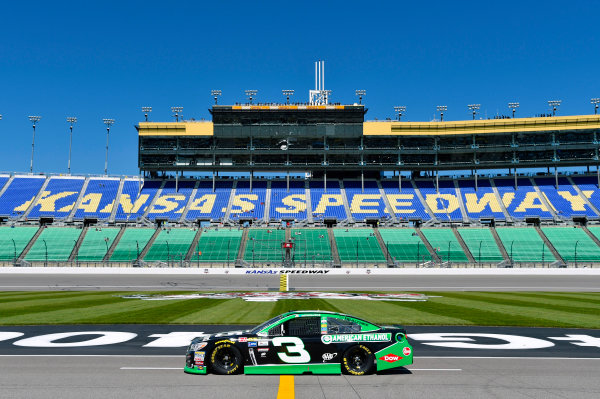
x=159, y=356
x=151, y=368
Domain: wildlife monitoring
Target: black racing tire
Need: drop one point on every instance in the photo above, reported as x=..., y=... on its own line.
x=226, y=359
x=358, y=360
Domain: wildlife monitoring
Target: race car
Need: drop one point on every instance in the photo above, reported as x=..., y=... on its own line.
x=302, y=342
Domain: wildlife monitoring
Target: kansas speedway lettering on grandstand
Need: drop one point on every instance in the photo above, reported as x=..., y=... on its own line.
x=287, y=271
x=375, y=337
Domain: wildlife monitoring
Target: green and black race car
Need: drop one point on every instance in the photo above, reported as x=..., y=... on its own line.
x=302, y=342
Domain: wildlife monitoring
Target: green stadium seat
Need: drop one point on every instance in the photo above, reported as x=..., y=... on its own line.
x=573, y=244
x=524, y=244
x=264, y=246
x=218, y=245
x=54, y=244
x=13, y=241
x=170, y=245
x=96, y=243
x=358, y=245
x=312, y=246
x=405, y=245
x=482, y=245
x=446, y=245
x=131, y=244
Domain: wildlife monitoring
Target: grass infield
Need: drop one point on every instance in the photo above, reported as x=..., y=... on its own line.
x=533, y=309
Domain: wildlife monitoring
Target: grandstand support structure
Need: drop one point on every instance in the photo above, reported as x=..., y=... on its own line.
x=384, y=247
x=335, y=254
x=114, y=244
x=545, y=201
x=226, y=217
x=464, y=246
x=461, y=204
x=500, y=244
x=427, y=208
x=148, y=246
x=71, y=215
x=349, y=217
x=591, y=235
x=507, y=216
x=242, y=248
x=193, y=246
x=182, y=219
x=309, y=214
x=550, y=246
x=266, y=219
x=75, y=251
x=8, y=182
x=582, y=195
x=388, y=206
x=21, y=257
x=35, y=199
x=156, y=196
x=113, y=212
x=432, y=253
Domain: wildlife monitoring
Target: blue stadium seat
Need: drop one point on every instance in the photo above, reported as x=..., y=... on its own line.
x=98, y=199
x=589, y=187
x=3, y=180
x=405, y=203
x=522, y=202
x=58, y=198
x=131, y=205
x=566, y=201
x=208, y=204
x=249, y=204
x=445, y=204
x=171, y=203
x=367, y=203
x=288, y=204
x=482, y=203
x=327, y=204
x=19, y=194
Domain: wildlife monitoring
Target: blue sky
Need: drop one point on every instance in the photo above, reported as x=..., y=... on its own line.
x=106, y=59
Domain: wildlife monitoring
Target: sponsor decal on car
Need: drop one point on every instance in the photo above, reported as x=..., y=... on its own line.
x=243, y=339
x=199, y=363
x=198, y=346
x=391, y=358
x=263, y=342
x=328, y=356
x=252, y=344
x=406, y=351
x=199, y=356
x=370, y=337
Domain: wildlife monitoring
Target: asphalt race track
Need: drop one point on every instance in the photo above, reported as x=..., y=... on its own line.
x=512, y=363
x=192, y=282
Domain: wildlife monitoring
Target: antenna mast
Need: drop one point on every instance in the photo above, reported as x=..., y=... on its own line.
x=319, y=96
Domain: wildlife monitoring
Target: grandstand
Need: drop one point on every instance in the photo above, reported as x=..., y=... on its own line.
x=343, y=191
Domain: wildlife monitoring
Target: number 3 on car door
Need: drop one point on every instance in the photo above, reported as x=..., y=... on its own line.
x=292, y=350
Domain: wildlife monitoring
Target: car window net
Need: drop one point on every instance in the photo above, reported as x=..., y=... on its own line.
x=304, y=326
x=340, y=326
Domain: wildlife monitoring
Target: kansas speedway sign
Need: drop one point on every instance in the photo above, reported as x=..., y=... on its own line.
x=375, y=337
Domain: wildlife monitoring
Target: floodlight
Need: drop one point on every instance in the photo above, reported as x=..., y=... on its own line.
x=360, y=94
x=251, y=94
x=474, y=108
x=215, y=94
x=108, y=123
x=34, y=119
x=72, y=120
x=400, y=109
x=554, y=104
x=514, y=107
x=287, y=94
x=146, y=111
x=594, y=101
x=441, y=109
x=176, y=111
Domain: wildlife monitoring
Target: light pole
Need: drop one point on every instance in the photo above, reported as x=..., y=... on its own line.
x=46, y=248
x=400, y=109
x=576, y=243
x=474, y=108
x=215, y=94
x=480, y=242
x=168, y=252
x=176, y=111
x=250, y=94
x=34, y=119
x=514, y=107
x=15, y=249
x=108, y=123
x=360, y=94
x=418, y=250
x=554, y=104
x=594, y=101
x=441, y=109
x=72, y=120
x=146, y=111
x=287, y=94
x=511, y=253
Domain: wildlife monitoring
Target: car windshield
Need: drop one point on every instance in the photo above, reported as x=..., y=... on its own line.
x=266, y=324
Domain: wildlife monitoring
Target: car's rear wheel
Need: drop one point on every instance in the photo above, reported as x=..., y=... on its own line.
x=226, y=359
x=358, y=360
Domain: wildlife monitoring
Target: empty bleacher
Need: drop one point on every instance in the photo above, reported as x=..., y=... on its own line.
x=20, y=193
x=96, y=243
x=405, y=203
x=444, y=204
x=565, y=200
x=288, y=204
x=327, y=204
x=524, y=244
x=209, y=204
x=55, y=244
x=170, y=245
x=358, y=245
x=131, y=244
x=405, y=245
x=98, y=199
x=446, y=245
x=130, y=206
x=264, y=246
x=311, y=246
x=217, y=245
x=365, y=203
x=573, y=244
x=481, y=203
x=58, y=198
x=524, y=201
x=589, y=188
x=481, y=244
x=13, y=240
x=249, y=204
x=172, y=200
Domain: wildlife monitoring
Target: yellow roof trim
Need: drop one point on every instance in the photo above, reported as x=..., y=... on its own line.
x=175, y=129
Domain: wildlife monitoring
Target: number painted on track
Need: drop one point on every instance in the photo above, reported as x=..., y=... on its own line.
x=294, y=351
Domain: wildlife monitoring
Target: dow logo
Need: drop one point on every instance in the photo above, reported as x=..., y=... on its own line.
x=391, y=358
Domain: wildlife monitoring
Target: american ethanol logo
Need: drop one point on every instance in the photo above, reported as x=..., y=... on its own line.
x=376, y=337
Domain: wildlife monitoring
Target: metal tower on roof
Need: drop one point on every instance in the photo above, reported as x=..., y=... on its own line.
x=319, y=96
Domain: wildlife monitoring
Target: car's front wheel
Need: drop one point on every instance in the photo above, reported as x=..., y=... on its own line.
x=226, y=359
x=358, y=360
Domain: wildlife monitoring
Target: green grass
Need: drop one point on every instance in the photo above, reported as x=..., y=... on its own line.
x=533, y=309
